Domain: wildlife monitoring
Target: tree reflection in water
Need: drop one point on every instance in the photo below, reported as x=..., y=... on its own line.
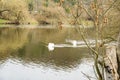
x=28, y=45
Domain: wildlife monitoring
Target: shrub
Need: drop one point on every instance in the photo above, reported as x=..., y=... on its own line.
x=14, y=10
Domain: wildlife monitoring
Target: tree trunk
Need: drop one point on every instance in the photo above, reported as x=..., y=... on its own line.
x=118, y=53
x=111, y=64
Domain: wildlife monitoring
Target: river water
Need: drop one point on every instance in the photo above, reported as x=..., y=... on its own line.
x=24, y=55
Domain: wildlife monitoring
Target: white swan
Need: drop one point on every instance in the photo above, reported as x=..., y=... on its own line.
x=74, y=42
x=51, y=46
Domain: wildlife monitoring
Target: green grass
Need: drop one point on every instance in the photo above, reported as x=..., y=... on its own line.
x=3, y=21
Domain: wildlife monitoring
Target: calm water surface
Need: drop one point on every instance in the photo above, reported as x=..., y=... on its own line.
x=24, y=55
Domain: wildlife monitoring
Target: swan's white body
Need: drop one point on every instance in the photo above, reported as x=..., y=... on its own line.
x=51, y=46
x=74, y=42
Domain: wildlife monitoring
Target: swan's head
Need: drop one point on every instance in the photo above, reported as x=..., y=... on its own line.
x=51, y=46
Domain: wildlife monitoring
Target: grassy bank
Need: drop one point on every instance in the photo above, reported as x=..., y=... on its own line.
x=30, y=21
x=3, y=21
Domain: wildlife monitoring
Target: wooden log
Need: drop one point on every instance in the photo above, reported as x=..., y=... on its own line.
x=111, y=65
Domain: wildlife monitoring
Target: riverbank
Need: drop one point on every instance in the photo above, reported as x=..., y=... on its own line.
x=9, y=22
x=86, y=23
x=3, y=21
